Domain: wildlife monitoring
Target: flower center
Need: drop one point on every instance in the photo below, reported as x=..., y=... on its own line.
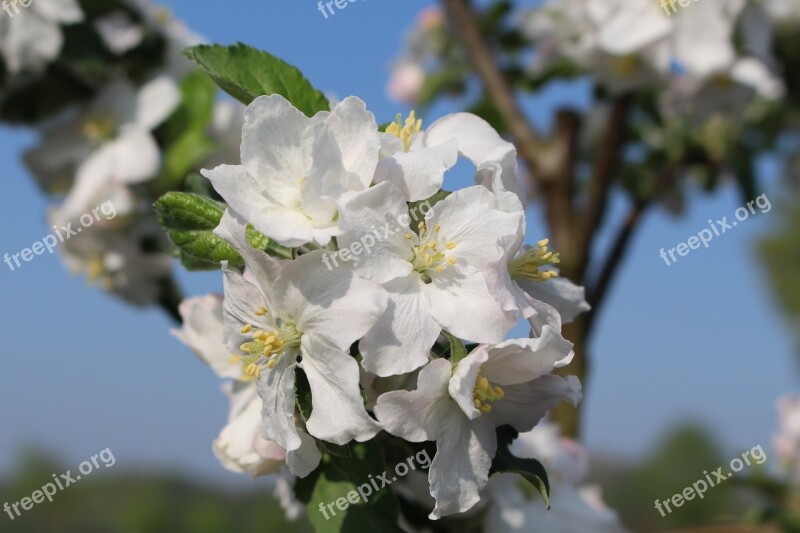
x=625, y=65
x=267, y=346
x=484, y=393
x=405, y=132
x=429, y=254
x=99, y=129
x=528, y=264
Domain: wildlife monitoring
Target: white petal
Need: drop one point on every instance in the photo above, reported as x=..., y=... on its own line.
x=524, y=405
x=261, y=269
x=566, y=297
x=64, y=11
x=29, y=43
x=476, y=139
x=371, y=219
x=276, y=148
x=401, y=339
x=460, y=469
x=247, y=197
x=276, y=389
x=339, y=415
x=335, y=304
x=464, y=306
x=418, y=174
x=462, y=384
x=202, y=331
x=473, y=220
x=419, y=415
x=236, y=446
x=356, y=132
x=155, y=101
x=242, y=297
x=521, y=360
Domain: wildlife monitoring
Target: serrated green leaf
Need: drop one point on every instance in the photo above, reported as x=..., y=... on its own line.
x=247, y=73
x=189, y=220
x=334, y=479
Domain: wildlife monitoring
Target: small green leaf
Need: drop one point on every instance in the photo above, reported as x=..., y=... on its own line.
x=247, y=73
x=189, y=221
x=303, y=393
x=338, y=477
x=532, y=470
x=457, y=349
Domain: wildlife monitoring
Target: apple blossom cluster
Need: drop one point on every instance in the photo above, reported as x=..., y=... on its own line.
x=102, y=144
x=691, y=55
x=463, y=276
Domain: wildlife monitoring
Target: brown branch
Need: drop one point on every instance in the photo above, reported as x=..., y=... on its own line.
x=463, y=18
x=602, y=175
x=596, y=294
x=618, y=252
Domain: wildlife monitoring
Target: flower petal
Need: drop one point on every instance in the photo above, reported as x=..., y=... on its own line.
x=521, y=360
x=401, y=339
x=524, y=405
x=419, y=415
x=460, y=469
x=339, y=415
x=418, y=174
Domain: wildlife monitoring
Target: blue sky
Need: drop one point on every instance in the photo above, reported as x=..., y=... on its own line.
x=699, y=340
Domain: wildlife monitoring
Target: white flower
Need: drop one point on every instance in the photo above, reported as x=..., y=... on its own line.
x=460, y=409
x=415, y=161
x=525, y=290
x=433, y=275
x=277, y=312
x=787, y=439
x=32, y=38
x=108, y=141
x=240, y=446
x=114, y=256
x=572, y=507
x=295, y=168
x=406, y=81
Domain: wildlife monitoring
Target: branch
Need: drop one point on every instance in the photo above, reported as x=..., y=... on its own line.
x=596, y=294
x=466, y=23
x=604, y=168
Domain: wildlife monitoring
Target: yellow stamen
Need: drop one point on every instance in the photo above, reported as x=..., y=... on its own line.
x=246, y=329
x=261, y=310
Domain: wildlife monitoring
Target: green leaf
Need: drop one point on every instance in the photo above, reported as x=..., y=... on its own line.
x=185, y=135
x=457, y=349
x=302, y=393
x=189, y=221
x=247, y=73
x=532, y=470
x=338, y=477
